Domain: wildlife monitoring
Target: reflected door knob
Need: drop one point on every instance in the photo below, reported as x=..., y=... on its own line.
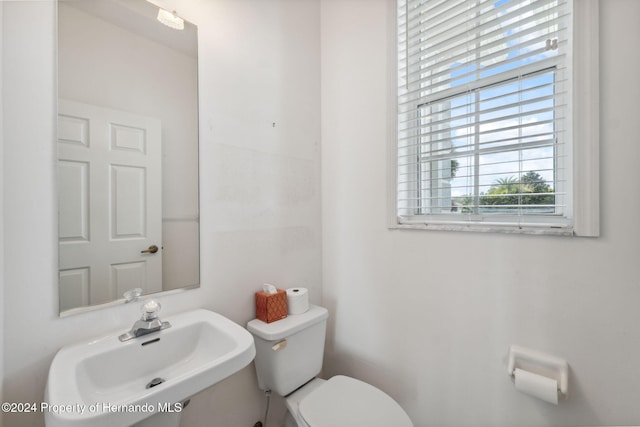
x=151, y=250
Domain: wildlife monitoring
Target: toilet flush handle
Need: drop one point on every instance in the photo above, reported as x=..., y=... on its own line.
x=279, y=345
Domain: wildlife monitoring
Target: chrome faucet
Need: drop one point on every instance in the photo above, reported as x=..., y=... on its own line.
x=150, y=322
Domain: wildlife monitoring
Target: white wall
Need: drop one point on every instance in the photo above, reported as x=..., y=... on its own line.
x=428, y=316
x=260, y=197
x=1, y=222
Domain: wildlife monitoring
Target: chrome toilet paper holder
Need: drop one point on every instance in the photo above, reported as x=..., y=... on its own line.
x=541, y=364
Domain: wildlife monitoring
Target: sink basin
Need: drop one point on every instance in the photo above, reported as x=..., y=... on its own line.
x=104, y=382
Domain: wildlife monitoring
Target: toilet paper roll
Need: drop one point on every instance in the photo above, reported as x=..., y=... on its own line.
x=537, y=386
x=297, y=300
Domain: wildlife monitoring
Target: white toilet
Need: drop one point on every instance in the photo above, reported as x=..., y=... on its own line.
x=289, y=355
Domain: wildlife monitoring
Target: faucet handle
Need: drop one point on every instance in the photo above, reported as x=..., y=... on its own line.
x=133, y=294
x=150, y=310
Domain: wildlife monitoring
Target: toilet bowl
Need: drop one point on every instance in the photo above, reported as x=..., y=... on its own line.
x=288, y=358
x=343, y=401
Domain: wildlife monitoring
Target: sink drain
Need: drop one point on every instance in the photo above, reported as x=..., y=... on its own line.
x=154, y=382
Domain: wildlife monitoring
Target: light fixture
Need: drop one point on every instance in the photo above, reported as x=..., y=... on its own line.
x=170, y=19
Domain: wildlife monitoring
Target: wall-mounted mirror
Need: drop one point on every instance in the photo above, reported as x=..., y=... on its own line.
x=127, y=152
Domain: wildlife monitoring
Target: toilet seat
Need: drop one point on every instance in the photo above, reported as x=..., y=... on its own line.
x=344, y=401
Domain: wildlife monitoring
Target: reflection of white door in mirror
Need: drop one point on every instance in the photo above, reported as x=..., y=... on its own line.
x=109, y=170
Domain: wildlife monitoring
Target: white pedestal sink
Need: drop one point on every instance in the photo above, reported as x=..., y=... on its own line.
x=104, y=382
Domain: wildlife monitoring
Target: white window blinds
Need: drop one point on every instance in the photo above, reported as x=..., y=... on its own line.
x=483, y=91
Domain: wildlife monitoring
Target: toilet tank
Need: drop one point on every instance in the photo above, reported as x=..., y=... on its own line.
x=289, y=351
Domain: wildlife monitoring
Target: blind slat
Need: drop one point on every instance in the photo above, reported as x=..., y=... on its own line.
x=425, y=48
x=430, y=85
x=417, y=73
x=423, y=94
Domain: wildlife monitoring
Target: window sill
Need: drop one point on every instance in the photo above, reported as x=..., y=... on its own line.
x=471, y=226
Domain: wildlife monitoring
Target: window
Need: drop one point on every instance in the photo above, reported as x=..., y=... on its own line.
x=484, y=125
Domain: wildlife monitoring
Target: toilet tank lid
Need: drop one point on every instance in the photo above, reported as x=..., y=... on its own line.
x=289, y=325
